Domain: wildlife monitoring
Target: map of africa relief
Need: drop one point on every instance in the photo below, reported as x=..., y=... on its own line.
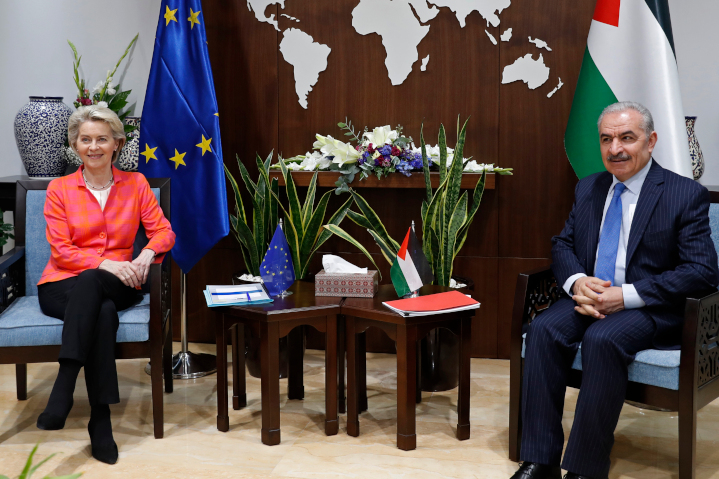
x=402, y=25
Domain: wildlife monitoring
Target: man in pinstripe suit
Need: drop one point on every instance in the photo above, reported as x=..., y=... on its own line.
x=635, y=246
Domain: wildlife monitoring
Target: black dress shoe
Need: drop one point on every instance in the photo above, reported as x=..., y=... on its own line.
x=571, y=475
x=533, y=470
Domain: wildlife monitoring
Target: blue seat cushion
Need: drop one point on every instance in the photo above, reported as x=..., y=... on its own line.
x=23, y=324
x=651, y=366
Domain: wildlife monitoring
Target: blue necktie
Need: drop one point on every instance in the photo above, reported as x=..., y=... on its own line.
x=609, y=237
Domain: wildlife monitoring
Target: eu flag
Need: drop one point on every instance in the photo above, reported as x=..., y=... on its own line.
x=276, y=269
x=180, y=131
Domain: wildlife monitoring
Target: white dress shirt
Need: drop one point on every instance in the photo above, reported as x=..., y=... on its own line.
x=629, y=197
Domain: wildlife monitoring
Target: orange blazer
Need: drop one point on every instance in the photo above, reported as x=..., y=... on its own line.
x=81, y=235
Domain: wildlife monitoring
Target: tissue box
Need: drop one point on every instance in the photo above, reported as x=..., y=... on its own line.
x=346, y=285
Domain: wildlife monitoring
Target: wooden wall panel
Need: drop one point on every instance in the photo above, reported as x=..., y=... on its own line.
x=510, y=125
x=536, y=201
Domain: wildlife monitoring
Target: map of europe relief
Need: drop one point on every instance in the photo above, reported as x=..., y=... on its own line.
x=402, y=25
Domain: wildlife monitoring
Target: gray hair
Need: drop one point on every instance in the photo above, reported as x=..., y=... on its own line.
x=647, y=119
x=96, y=113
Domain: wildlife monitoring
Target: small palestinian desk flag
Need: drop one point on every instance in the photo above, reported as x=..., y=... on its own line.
x=276, y=269
x=410, y=269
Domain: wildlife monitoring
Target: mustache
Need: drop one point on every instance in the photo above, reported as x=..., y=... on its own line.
x=622, y=156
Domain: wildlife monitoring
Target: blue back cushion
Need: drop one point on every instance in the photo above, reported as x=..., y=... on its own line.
x=714, y=224
x=37, y=249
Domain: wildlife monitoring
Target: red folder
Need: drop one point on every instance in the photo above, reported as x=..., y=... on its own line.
x=433, y=302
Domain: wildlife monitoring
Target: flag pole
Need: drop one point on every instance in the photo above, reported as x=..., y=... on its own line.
x=186, y=364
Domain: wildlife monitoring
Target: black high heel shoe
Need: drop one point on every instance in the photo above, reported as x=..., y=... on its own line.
x=52, y=422
x=104, y=448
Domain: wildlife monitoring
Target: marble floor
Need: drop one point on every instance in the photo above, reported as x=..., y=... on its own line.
x=646, y=441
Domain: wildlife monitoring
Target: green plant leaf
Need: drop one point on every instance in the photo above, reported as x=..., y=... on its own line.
x=119, y=100
x=245, y=175
x=454, y=179
x=312, y=232
x=247, y=240
x=334, y=229
x=436, y=257
x=359, y=219
x=37, y=466
x=274, y=217
x=28, y=463
x=457, y=219
x=293, y=200
x=476, y=200
x=239, y=205
x=309, y=201
x=387, y=251
x=442, y=141
x=335, y=219
x=372, y=217
x=69, y=476
x=425, y=166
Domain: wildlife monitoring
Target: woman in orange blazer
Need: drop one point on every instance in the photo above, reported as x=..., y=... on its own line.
x=92, y=219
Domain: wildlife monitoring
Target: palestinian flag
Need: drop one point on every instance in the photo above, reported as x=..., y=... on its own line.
x=410, y=269
x=629, y=57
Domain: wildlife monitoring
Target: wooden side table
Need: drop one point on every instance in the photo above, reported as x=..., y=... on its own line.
x=360, y=314
x=271, y=322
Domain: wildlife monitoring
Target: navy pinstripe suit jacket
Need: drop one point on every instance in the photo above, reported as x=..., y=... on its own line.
x=670, y=254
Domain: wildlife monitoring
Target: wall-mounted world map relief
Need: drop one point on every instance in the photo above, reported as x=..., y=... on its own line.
x=402, y=25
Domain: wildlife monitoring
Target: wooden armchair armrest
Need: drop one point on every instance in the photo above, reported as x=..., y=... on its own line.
x=11, y=257
x=700, y=347
x=536, y=291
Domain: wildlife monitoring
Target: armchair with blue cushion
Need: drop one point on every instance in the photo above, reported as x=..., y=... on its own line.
x=683, y=380
x=28, y=336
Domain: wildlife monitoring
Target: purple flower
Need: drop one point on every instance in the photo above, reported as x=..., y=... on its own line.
x=386, y=150
x=364, y=158
x=416, y=164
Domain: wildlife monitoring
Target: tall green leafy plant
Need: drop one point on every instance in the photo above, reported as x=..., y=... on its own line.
x=254, y=233
x=446, y=213
x=303, y=222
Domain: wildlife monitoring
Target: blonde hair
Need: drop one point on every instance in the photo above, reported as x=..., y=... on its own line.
x=96, y=113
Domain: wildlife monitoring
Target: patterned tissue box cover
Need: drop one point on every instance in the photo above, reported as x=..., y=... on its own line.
x=346, y=285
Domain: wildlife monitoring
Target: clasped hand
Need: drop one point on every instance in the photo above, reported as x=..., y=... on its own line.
x=596, y=297
x=131, y=273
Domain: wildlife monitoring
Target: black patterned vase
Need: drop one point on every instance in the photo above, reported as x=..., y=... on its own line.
x=127, y=161
x=40, y=132
x=695, y=152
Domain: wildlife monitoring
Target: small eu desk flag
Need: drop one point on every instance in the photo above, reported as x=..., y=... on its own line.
x=180, y=131
x=276, y=269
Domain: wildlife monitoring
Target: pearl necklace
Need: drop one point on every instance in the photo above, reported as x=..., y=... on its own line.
x=94, y=187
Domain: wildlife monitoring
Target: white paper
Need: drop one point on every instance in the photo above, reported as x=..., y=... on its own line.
x=335, y=264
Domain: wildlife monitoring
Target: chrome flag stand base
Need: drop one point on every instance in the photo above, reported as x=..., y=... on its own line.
x=186, y=364
x=283, y=294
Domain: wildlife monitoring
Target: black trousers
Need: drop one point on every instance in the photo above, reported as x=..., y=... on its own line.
x=88, y=305
x=608, y=347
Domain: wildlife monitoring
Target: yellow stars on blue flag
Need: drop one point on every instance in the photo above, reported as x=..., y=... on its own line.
x=193, y=18
x=170, y=15
x=205, y=145
x=178, y=159
x=276, y=269
x=149, y=153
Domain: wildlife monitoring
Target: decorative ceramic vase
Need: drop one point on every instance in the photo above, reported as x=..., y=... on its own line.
x=40, y=132
x=127, y=161
x=695, y=152
x=71, y=157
